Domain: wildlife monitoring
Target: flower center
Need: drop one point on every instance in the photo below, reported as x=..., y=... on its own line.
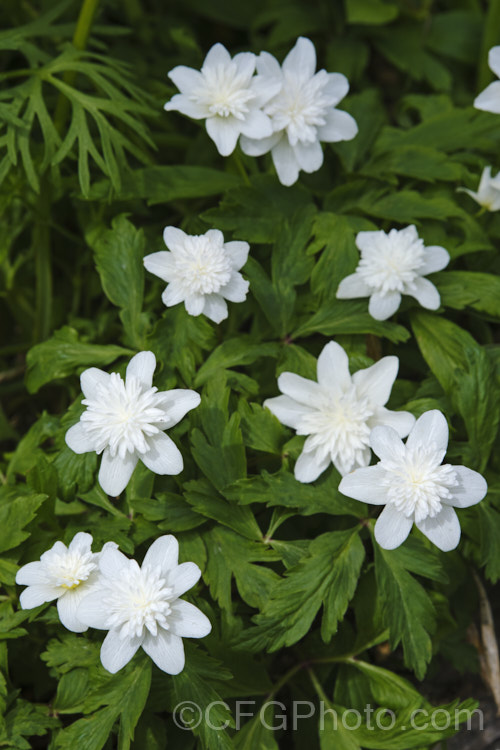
x=138, y=600
x=224, y=91
x=417, y=483
x=392, y=264
x=339, y=429
x=70, y=569
x=122, y=415
x=202, y=265
x=301, y=106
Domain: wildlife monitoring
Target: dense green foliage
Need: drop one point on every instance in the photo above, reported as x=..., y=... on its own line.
x=299, y=595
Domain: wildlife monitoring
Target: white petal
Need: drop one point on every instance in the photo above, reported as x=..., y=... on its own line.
x=78, y=439
x=443, y=530
x=224, y=132
x=431, y=427
x=186, y=106
x=215, y=236
x=92, y=610
x=113, y=563
x=285, y=162
x=142, y=367
x=253, y=147
x=185, y=78
x=336, y=87
x=81, y=543
x=194, y=304
x=366, y=240
x=333, y=367
x=386, y=443
x=471, y=490
x=308, y=468
x=339, y=126
x=177, y=402
x=382, y=306
x=375, y=382
x=245, y=63
x=435, y=259
x=494, y=60
x=401, y=421
x=425, y=293
x=238, y=253
x=115, y=472
x=236, y=288
x=91, y=379
x=183, y=578
x=217, y=55
x=174, y=238
x=301, y=60
x=352, y=287
x=164, y=553
x=392, y=527
x=264, y=88
x=268, y=66
x=187, y=621
x=162, y=264
x=166, y=650
x=309, y=156
x=288, y=411
x=299, y=389
x=116, y=651
x=163, y=456
x=173, y=294
x=215, y=308
x=38, y=594
x=256, y=125
x=365, y=484
x=32, y=573
x=67, y=608
x=489, y=99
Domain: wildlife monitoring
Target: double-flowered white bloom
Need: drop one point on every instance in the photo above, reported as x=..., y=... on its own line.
x=302, y=113
x=488, y=192
x=393, y=264
x=227, y=95
x=338, y=412
x=63, y=573
x=489, y=99
x=140, y=607
x=200, y=270
x=125, y=421
x=414, y=485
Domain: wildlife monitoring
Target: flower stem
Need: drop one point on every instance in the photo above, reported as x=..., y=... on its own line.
x=491, y=37
x=41, y=245
x=241, y=167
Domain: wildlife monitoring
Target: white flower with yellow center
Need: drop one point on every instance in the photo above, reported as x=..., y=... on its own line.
x=125, y=421
x=63, y=573
x=338, y=412
x=489, y=99
x=393, y=264
x=414, y=485
x=302, y=113
x=488, y=192
x=226, y=94
x=201, y=271
x=140, y=607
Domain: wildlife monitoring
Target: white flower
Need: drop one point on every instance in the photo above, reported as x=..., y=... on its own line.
x=140, y=606
x=226, y=94
x=201, y=271
x=303, y=112
x=489, y=99
x=488, y=193
x=63, y=573
x=393, y=264
x=338, y=412
x=414, y=486
x=125, y=421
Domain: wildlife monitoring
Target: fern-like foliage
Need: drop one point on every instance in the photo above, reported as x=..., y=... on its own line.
x=104, y=119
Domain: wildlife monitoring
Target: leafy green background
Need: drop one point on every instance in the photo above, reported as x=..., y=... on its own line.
x=304, y=605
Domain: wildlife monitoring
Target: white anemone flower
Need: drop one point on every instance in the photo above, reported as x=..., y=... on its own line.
x=125, y=421
x=140, y=607
x=488, y=192
x=489, y=99
x=63, y=573
x=226, y=94
x=393, y=264
x=201, y=271
x=303, y=112
x=338, y=412
x=414, y=485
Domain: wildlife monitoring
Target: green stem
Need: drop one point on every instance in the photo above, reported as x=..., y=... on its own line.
x=491, y=37
x=318, y=687
x=241, y=167
x=41, y=245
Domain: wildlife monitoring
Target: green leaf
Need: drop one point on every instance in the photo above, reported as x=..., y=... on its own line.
x=375, y=12
x=88, y=733
x=260, y=429
x=459, y=289
x=489, y=528
x=16, y=512
x=346, y=317
x=233, y=353
x=203, y=498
